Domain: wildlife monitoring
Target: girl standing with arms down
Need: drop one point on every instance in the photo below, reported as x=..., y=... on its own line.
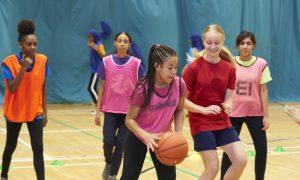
x=119, y=73
x=25, y=97
x=210, y=81
x=250, y=101
x=156, y=103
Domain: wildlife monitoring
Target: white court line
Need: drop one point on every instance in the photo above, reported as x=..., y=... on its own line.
x=65, y=165
x=290, y=147
x=70, y=112
x=282, y=153
x=27, y=145
x=101, y=157
x=58, y=131
x=270, y=153
x=60, y=158
x=284, y=147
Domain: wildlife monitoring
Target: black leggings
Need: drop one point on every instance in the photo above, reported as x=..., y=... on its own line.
x=254, y=124
x=35, y=129
x=134, y=155
x=92, y=87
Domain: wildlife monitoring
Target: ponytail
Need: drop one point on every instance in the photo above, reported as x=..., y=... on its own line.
x=227, y=56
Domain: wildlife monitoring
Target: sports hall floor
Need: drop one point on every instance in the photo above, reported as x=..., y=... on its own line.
x=73, y=148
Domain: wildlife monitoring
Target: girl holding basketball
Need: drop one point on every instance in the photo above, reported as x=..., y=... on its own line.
x=250, y=101
x=157, y=102
x=119, y=73
x=210, y=81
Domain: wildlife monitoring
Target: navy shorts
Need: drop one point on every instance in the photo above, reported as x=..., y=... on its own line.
x=210, y=140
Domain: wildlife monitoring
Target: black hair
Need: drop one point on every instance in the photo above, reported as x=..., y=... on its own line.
x=243, y=35
x=129, y=37
x=158, y=54
x=130, y=40
x=25, y=27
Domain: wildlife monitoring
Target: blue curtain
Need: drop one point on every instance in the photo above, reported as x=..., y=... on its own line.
x=61, y=28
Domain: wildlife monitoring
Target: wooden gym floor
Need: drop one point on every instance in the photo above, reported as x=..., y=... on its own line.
x=73, y=148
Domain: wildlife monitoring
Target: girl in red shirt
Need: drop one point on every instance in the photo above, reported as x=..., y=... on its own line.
x=210, y=81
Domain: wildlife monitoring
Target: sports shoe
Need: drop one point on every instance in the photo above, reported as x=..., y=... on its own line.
x=113, y=177
x=106, y=171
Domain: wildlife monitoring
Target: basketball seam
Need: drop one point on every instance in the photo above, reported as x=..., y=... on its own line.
x=171, y=148
x=165, y=140
x=164, y=157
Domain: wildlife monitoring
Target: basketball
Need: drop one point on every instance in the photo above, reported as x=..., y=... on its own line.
x=172, y=148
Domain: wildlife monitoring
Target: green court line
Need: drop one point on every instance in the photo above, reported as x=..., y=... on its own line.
x=187, y=172
x=97, y=137
x=177, y=168
x=75, y=128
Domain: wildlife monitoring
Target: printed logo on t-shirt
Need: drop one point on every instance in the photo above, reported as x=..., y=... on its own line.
x=244, y=88
x=161, y=105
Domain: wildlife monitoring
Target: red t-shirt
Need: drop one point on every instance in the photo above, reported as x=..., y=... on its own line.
x=207, y=84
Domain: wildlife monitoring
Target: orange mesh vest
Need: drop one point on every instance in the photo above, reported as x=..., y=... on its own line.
x=27, y=101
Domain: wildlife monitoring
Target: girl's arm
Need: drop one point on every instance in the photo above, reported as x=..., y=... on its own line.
x=14, y=84
x=101, y=50
x=179, y=115
x=99, y=101
x=132, y=125
x=227, y=104
x=264, y=101
x=45, y=116
x=190, y=106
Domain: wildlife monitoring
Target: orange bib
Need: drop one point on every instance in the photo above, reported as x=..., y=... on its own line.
x=26, y=102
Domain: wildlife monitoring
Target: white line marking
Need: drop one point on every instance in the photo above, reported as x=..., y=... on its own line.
x=65, y=165
x=71, y=112
x=282, y=153
x=58, y=131
x=60, y=158
x=28, y=145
